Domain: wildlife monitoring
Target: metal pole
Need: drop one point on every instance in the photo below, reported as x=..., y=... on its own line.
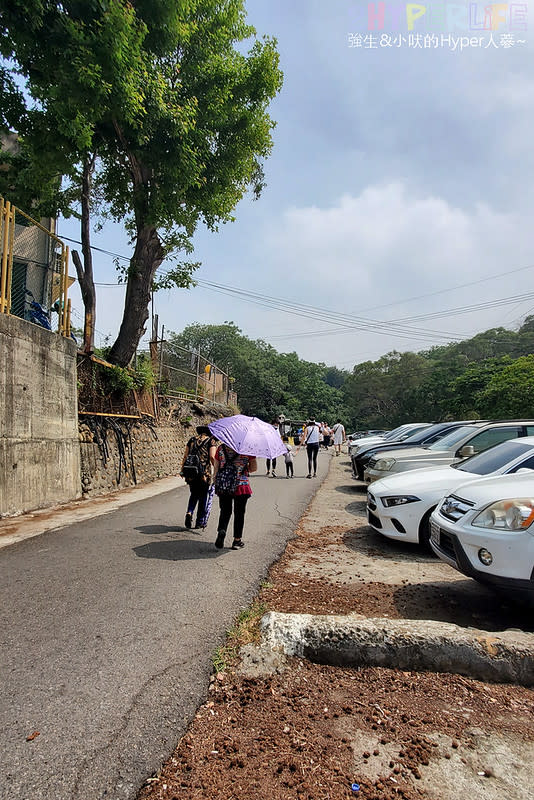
x=198, y=372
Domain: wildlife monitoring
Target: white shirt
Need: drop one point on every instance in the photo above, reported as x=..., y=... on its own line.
x=312, y=434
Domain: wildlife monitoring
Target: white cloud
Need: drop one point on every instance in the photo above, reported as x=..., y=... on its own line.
x=388, y=245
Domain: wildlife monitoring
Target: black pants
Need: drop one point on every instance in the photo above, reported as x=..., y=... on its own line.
x=289, y=468
x=239, y=504
x=312, y=450
x=198, y=494
x=268, y=460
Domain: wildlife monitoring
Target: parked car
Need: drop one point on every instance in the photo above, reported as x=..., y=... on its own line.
x=364, y=434
x=424, y=436
x=399, y=507
x=455, y=446
x=485, y=529
x=392, y=436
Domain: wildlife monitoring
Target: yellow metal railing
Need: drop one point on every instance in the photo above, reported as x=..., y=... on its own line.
x=7, y=226
x=53, y=278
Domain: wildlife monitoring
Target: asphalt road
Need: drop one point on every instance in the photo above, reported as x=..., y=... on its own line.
x=107, y=629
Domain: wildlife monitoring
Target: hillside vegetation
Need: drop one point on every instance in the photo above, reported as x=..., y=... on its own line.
x=488, y=376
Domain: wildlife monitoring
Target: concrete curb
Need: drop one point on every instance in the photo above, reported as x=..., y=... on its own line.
x=505, y=657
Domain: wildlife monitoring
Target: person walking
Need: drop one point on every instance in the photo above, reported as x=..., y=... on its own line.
x=199, y=457
x=272, y=462
x=339, y=437
x=327, y=433
x=288, y=458
x=311, y=440
x=232, y=485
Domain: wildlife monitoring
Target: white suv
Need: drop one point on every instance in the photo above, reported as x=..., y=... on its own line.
x=486, y=530
x=455, y=446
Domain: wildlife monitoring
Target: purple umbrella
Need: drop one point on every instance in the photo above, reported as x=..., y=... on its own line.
x=249, y=436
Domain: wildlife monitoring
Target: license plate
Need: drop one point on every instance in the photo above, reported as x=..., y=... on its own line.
x=434, y=533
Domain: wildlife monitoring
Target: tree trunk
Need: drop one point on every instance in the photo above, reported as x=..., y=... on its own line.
x=85, y=271
x=147, y=257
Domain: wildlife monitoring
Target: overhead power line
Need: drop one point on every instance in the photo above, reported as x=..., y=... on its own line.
x=399, y=327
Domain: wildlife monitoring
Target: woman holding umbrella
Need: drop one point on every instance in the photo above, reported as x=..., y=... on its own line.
x=243, y=439
x=235, y=501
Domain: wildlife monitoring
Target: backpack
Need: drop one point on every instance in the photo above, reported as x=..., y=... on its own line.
x=226, y=478
x=193, y=470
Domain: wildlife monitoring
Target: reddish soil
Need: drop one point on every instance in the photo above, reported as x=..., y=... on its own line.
x=299, y=734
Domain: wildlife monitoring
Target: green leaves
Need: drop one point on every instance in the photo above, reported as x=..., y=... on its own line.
x=166, y=97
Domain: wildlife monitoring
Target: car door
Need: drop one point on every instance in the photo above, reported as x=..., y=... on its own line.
x=492, y=436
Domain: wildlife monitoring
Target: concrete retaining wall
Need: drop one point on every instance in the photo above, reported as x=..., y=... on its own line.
x=39, y=444
x=119, y=453
x=46, y=457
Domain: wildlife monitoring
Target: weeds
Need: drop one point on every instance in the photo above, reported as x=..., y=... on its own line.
x=245, y=630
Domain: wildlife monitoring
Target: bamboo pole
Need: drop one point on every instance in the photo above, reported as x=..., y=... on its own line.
x=10, y=258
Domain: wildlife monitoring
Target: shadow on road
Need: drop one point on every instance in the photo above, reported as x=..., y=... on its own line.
x=357, y=508
x=152, y=530
x=181, y=550
x=462, y=602
x=364, y=539
x=351, y=488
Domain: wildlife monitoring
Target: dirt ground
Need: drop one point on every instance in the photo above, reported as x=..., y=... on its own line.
x=317, y=732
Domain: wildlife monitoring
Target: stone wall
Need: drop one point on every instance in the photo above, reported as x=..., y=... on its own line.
x=39, y=445
x=117, y=453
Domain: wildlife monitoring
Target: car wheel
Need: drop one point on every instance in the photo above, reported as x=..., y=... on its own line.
x=424, y=530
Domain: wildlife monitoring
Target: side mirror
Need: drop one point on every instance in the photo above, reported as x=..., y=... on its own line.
x=466, y=451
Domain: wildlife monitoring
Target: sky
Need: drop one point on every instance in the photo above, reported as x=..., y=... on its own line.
x=399, y=201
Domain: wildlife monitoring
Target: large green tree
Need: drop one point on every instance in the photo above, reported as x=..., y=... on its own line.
x=165, y=100
x=267, y=383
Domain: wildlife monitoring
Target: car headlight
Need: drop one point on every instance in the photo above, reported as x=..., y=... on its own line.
x=507, y=515
x=384, y=464
x=399, y=500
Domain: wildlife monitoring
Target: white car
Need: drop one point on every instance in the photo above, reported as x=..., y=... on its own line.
x=402, y=431
x=485, y=529
x=455, y=446
x=399, y=507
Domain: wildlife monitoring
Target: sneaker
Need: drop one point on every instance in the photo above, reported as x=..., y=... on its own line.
x=188, y=520
x=219, y=541
x=237, y=544
x=268, y=473
x=309, y=475
x=274, y=474
x=314, y=474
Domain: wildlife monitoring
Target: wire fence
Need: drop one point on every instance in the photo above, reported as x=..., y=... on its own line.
x=187, y=375
x=33, y=271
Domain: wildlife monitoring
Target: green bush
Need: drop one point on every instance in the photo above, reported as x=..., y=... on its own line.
x=143, y=374
x=118, y=380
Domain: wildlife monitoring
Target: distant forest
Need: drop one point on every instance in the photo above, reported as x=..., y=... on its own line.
x=490, y=376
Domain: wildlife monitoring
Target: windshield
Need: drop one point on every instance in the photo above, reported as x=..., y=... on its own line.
x=395, y=432
x=494, y=458
x=405, y=436
x=451, y=438
x=403, y=431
